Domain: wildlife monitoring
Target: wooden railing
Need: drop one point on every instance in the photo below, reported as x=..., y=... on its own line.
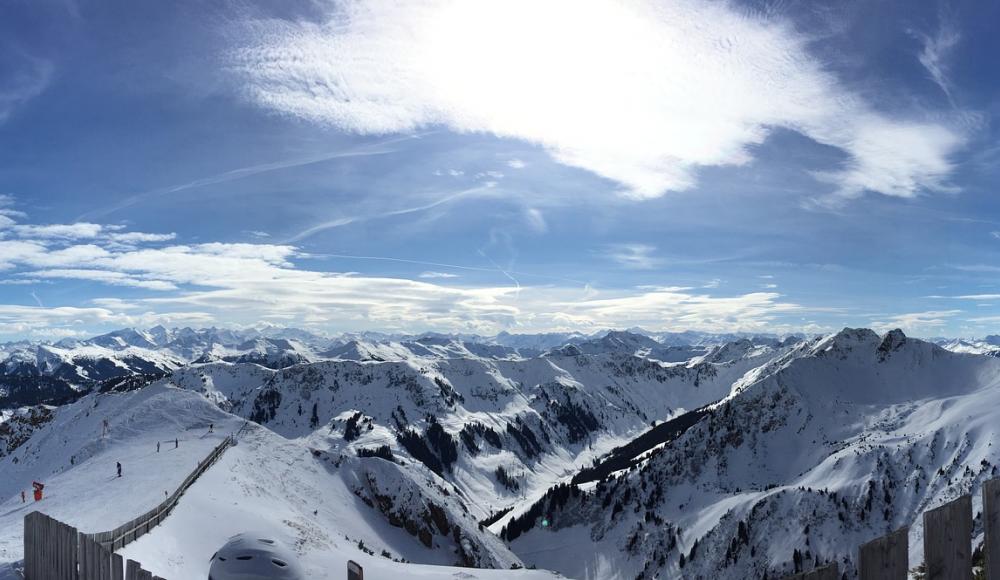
x=947, y=545
x=130, y=531
x=57, y=551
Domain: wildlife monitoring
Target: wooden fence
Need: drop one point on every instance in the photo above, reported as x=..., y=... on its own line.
x=947, y=545
x=130, y=531
x=57, y=551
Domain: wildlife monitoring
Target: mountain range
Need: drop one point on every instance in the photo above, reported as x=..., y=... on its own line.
x=625, y=454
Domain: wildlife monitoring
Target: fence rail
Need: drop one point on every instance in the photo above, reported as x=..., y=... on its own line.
x=134, y=529
x=57, y=551
x=947, y=545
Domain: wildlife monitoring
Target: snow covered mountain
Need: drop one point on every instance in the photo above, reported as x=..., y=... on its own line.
x=604, y=457
x=833, y=444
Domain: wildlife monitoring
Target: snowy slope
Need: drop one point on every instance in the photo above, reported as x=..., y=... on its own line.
x=310, y=503
x=840, y=441
x=322, y=503
x=499, y=430
x=77, y=465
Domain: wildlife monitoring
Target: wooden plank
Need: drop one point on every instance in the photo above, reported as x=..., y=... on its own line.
x=92, y=561
x=886, y=558
x=991, y=525
x=117, y=567
x=131, y=570
x=948, y=540
x=105, y=561
x=60, y=564
x=81, y=545
x=73, y=552
x=31, y=559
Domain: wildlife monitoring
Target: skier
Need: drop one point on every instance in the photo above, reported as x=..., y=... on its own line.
x=118, y=463
x=157, y=446
x=211, y=427
x=176, y=443
x=22, y=497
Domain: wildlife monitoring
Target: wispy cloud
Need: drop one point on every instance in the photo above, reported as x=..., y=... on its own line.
x=23, y=81
x=917, y=323
x=937, y=48
x=238, y=283
x=663, y=77
x=377, y=148
x=634, y=256
x=348, y=220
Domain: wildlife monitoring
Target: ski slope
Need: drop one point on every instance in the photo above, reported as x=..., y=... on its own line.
x=268, y=483
x=77, y=465
x=278, y=489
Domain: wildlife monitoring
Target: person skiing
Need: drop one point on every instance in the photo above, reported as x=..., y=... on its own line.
x=211, y=427
x=157, y=446
x=118, y=463
x=176, y=443
x=22, y=497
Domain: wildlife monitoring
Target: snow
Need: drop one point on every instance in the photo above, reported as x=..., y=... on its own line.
x=266, y=483
x=848, y=435
x=77, y=465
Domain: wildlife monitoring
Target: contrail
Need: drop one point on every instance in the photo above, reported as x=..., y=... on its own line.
x=243, y=172
x=443, y=265
x=502, y=271
x=343, y=221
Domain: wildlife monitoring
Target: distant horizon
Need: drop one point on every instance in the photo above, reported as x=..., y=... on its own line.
x=596, y=334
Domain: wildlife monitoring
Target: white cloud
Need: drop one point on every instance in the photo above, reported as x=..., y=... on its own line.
x=978, y=297
x=679, y=86
x=104, y=276
x=634, y=256
x=936, y=51
x=77, y=231
x=536, y=220
x=53, y=322
x=140, y=237
x=516, y=164
x=676, y=309
x=430, y=274
x=917, y=323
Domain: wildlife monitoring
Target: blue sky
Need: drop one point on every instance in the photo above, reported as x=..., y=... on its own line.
x=485, y=166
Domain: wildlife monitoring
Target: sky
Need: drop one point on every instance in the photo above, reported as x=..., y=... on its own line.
x=499, y=165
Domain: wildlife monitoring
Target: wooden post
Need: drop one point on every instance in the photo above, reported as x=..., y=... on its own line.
x=991, y=525
x=886, y=558
x=131, y=570
x=947, y=540
x=104, y=557
x=32, y=561
x=117, y=567
x=81, y=555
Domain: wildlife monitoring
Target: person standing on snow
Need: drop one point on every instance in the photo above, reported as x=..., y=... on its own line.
x=118, y=463
x=157, y=446
x=22, y=497
x=176, y=443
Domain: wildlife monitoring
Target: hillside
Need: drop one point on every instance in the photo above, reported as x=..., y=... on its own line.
x=834, y=444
